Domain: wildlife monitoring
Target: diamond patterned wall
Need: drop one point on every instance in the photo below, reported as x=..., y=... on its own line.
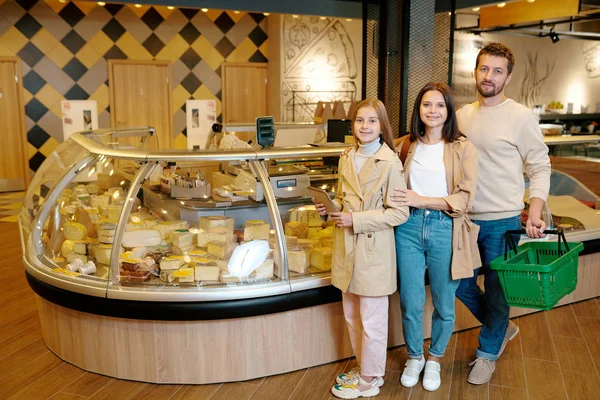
x=64, y=48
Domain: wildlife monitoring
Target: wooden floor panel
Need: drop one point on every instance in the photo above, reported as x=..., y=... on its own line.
x=553, y=357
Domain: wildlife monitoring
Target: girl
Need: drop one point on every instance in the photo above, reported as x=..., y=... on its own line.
x=363, y=265
x=441, y=175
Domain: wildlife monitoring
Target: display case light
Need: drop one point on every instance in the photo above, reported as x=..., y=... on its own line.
x=349, y=19
x=476, y=9
x=266, y=14
x=236, y=11
x=204, y=9
x=138, y=6
x=101, y=3
x=500, y=5
x=295, y=16
x=170, y=7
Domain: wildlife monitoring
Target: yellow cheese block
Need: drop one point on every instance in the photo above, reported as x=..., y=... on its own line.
x=221, y=250
x=256, y=230
x=74, y=231
x=184, y=274
x=215, y=235
x=297, y=229
x=320, y=258
x=306, y=214
x=208, y=223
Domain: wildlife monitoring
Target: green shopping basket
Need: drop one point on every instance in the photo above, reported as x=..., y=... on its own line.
x=537, y=274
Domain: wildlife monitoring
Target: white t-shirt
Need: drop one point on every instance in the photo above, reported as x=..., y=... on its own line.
x=427, y=171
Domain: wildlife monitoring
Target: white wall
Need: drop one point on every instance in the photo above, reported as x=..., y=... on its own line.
x=569, y=81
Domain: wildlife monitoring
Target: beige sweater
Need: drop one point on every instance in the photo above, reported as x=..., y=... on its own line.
x=509, y=141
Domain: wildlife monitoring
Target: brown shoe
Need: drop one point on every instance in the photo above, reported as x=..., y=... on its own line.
x=482, y=371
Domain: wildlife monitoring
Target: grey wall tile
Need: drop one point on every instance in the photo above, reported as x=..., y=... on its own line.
x=28, y=123
x=208, y=77
x=11, y=11
x=104, y=120
x=94, y=77
x=52, y=125
x=54, y=75
x=241, y=30
x=179, y=71
x=50, y=20
x=133, y=24
x=92, y=23
x=179, y=122
x=207, y=28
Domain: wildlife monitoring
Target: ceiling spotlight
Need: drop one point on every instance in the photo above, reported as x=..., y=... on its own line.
x=236, y=12
x=62, y=1
x=295, y=16
x=530, y=1
x=138, y=6
x=553, y=36
x=475, y=9
x=349, y=19
x=170, y=7
x=449, y=13
x=204, y=9
x=101, y=3
x=501, y=5
x=266, y=14
x=322, y=17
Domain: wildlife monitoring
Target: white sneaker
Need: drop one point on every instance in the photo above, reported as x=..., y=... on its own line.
x=412, y=370
x=356, y=390
x=352, y=377
x=431, y=378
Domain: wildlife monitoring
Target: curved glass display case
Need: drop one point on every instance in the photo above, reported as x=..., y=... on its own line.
x=103, y=217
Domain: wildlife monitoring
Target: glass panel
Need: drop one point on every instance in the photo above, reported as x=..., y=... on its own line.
x=309, y=240
x=79, y=231
x=189, y=233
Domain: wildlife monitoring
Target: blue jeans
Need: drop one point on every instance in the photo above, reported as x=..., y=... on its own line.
x=425, y=240
x=489, y=307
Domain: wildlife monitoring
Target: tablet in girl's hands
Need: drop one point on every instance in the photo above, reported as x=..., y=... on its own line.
x=322, y=197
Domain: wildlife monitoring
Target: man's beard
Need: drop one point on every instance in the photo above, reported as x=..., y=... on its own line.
x=495, y=90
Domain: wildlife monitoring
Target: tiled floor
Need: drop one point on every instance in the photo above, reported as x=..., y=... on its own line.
x=10, y=205
x=555, y=356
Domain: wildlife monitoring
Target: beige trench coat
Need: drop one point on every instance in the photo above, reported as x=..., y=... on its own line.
x=364, y=256
x=460, y=163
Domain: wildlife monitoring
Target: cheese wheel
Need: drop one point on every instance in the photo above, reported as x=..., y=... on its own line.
x=74, y=231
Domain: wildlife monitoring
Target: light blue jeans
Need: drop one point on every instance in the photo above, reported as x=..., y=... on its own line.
x=489, y=307
x=425, y=241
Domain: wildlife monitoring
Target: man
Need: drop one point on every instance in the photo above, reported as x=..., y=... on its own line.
x=509, y=141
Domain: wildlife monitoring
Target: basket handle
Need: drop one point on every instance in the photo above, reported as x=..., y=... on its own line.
x=510, y=245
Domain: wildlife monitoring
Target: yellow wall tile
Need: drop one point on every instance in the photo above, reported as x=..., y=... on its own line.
x=102, y=97
x=49, y=146
x=178, y=46
x=56, y=5
x=101, y=43
x=203, y=94
x=264, y=48
x=48, y=96
x=164, y=11
x=60, y=55
x=57, y=109
x=166, y=55
x=139, y=11
x=213, y=14
x=86, y=6
x=207, y=52
x=5, y=51
x=88, y=56
x=179, y=97
x=132, y=48
x=27, y=96
x=13, y=40
x=235, y=17
x=219, y=107
x=45, y=41
x=243, y=52
x=30, y=150
x=180, y=142
x=12, y=218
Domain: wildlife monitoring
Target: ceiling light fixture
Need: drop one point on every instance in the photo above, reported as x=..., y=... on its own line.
x=349, y=19
x=204, y=9
x=236, y=12
x=553, y=36
x=501, y=5
x=266, y=14
x=101, y=3
x=62, y=1
x=138, y=6
x=475, y=9
x=295, y=16
x=530, y=1
x=170, y=7
x=322, y=17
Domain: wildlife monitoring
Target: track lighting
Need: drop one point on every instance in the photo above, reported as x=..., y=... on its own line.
x=553, y=36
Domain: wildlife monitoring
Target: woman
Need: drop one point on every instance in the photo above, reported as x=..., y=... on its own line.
x=441, y=175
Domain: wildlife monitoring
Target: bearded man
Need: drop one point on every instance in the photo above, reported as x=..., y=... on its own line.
x=509, y=142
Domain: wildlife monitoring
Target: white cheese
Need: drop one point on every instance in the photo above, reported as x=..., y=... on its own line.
x=298, y=260
x=148, y=237
x=208, y=223
x=206, y=273
x=182, y=238
x=73, y=256
x=184, y=274
x=221, y=250
x=256, y=230
x=215, y=235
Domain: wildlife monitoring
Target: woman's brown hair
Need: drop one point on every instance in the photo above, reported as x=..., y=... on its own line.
x=450, y=130
x=386, y=129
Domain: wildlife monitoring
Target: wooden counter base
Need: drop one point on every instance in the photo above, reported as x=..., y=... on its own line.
x=199, y=352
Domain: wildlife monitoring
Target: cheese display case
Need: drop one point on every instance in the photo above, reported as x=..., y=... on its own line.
x=104, y=217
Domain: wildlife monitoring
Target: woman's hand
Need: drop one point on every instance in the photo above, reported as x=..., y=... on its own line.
x=320, y=207
x=341, y=219
x=406, y=197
